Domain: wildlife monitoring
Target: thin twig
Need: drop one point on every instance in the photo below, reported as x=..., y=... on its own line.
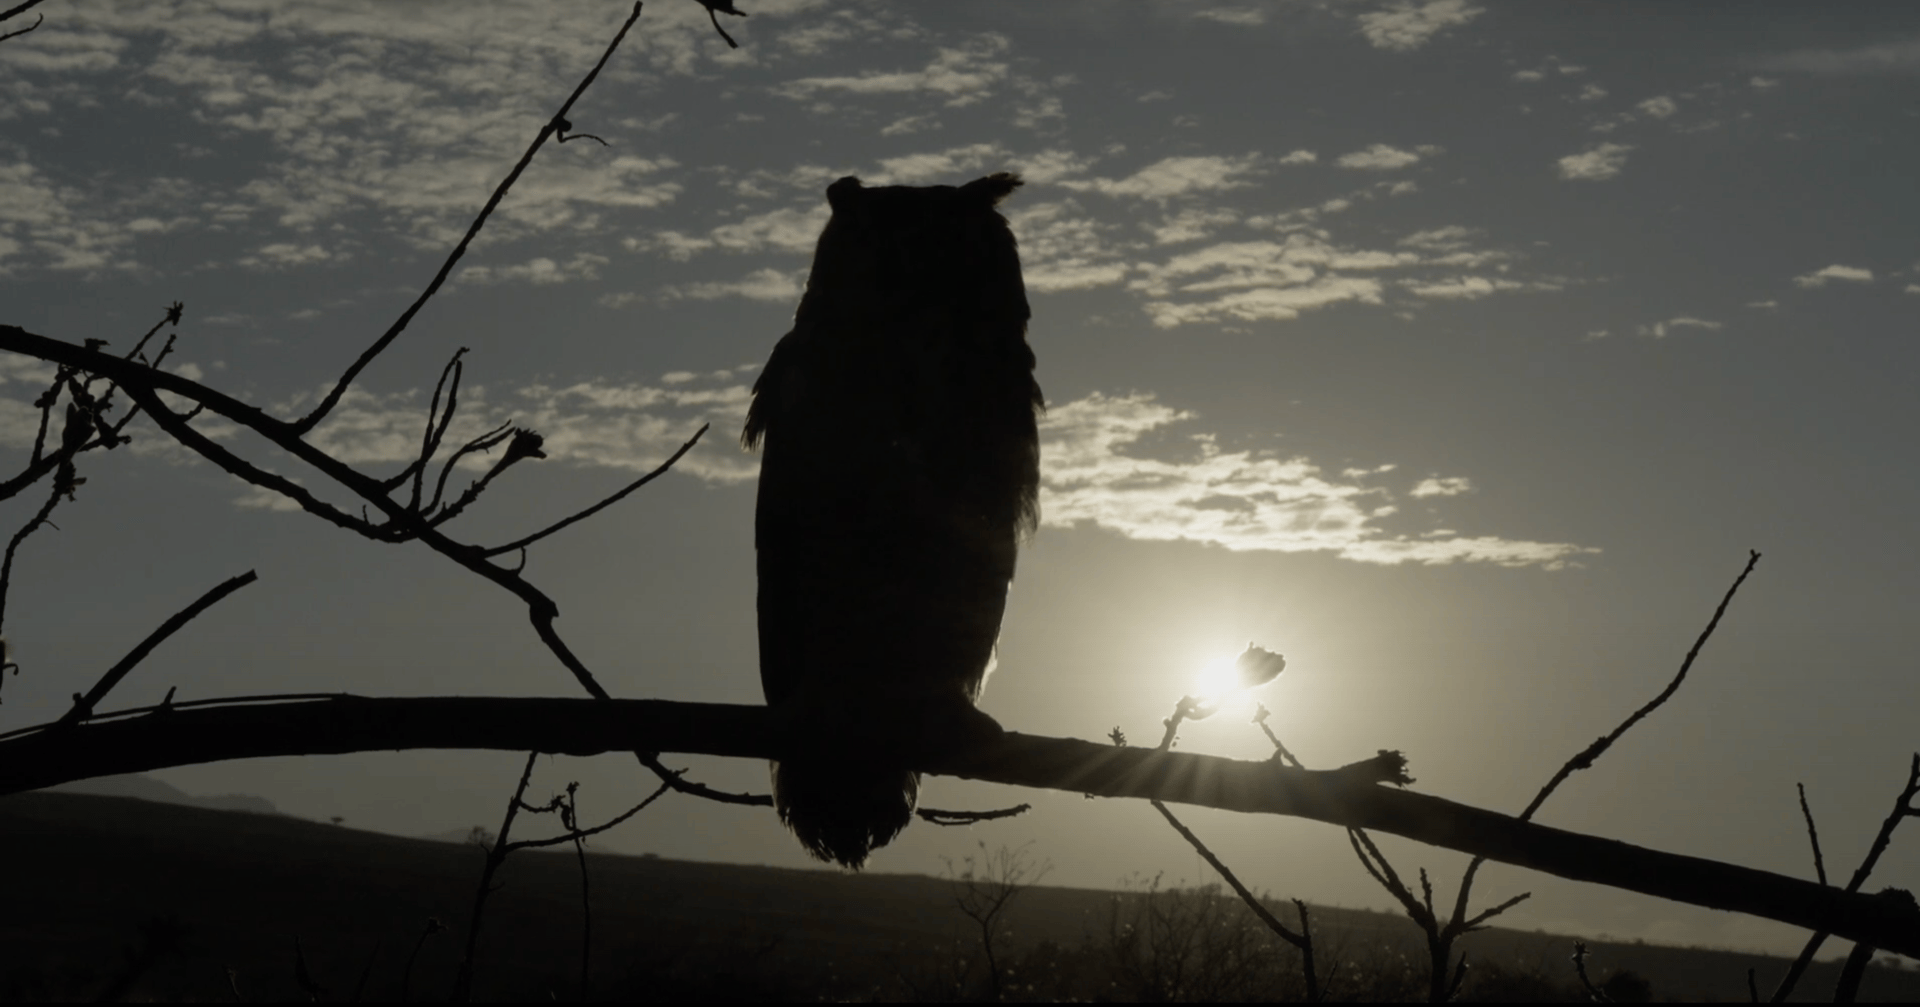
x=1813, y=834
x=13, y=545
x=723, y=6
x=1585, y=759
x=496, y=855
x=1902, y=808
x=522, y=543
x=15, y=11
x=586, y=902
x=1253, y=902
x=485, y=442
x=83, y=705
x=39, y=18
x=1183, y=710
x=430, y=440
x=1580, y=968
x=312, y=419
x=433, y=926
x=574, y=833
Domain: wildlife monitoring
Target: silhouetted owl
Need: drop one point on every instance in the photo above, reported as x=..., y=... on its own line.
x=900, y=469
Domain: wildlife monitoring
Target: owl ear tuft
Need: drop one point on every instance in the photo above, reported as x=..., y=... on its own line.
x=994, y=187
x=840, y=194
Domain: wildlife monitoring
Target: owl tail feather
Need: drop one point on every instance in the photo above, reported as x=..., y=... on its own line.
x=843, y=811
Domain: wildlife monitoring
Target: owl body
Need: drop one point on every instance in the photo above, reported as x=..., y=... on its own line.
x=900, y=469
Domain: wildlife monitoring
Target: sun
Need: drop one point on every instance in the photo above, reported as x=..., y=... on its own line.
x=1217, y=680
x=1233, y=676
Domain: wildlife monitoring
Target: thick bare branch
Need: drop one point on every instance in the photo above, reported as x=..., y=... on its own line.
x=1348, y=797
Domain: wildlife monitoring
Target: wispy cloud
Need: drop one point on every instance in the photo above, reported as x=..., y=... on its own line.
x=1176, y=176
x=1255, y=280
x=1660, y=330
x=1095, y=474
x=1246, y=17
x=1062, y=247
x=1595, y=165
x=1471, y=288
x=1821, y=277
x=540, y=271
x=963, y=75
x=628, y=426
x=759, y=285
x=1659, y=107
x=1883, y=57
x=1382, y=157
x=1405, y=26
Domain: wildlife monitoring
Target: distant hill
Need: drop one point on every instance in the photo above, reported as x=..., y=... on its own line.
x=146, y=788
x=89, y=875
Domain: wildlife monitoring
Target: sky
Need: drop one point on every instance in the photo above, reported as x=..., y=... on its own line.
x=1458, y=350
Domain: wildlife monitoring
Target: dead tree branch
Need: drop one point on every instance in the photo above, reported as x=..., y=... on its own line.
x=1348, y=797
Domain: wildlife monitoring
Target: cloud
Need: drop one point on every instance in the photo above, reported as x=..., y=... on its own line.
x=1595, y=165
x=396, y=116
x=1442, y=487
x=1468, y=288
x=1659, y=107
x=599, y=423
x=1660, y=330
x=1378, y=157
x=261, y=498
x=1266, y=303
x=1762, y=83
x=1191, y=225
x=1260, y=280
x=1913, y=288
x=1900, y=57
x=1062, y=247
x=759, y=285
x=911, y=124
x=287, y=255
x=73, y=224
x=1405, y=26
x=1243, y=16
x=1528, y=75
x=964, y=75
x=943, y=166
x=1439, y=239
x=1820, y=277
x=1094, y=474
x=1299, y=157
x=1176, y=176
x=539, y=271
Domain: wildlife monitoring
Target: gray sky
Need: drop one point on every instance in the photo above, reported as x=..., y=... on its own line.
x=1457, y=350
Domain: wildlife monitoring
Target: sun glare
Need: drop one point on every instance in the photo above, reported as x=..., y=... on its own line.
x=1217, y=680
x=1231, y=678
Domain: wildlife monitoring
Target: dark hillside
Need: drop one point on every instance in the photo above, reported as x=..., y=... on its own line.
x=86, y=872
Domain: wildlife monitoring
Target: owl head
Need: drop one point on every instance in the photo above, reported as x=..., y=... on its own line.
x=930, y=245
